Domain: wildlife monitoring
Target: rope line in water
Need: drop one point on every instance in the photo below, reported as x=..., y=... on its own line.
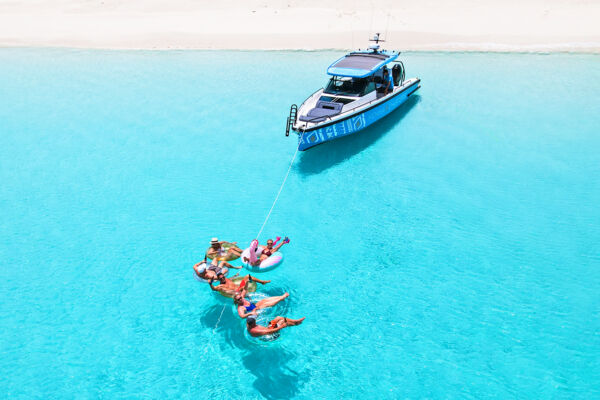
x=279, y=192
x=209, y=344
x=259, y=232
x=219, y=319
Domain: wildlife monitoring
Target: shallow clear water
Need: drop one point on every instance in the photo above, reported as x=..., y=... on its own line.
x=450, y=251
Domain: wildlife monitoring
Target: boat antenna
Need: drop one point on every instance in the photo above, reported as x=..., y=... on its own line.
x=375, y=39
x=387, y=26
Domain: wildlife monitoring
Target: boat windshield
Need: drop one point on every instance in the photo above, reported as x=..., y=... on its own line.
x=354, y=87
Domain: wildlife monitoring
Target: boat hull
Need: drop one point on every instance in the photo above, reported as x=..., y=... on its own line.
x=355, y=122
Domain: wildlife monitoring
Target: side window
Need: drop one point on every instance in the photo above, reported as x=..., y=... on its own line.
x=370, y=87
x=330, y=86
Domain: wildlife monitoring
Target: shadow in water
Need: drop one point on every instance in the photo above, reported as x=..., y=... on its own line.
x=211, y=314
x=267, y=362
x=326, y=155
x=229, y=326
x=274, y=379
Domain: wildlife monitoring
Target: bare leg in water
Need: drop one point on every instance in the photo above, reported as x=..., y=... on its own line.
x=271, y=301
x=247, y=277
x=279, y=321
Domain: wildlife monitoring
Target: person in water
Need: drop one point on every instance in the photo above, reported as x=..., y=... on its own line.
x=246, y=308
x=268, y=250
x=388, y=82
x=216, y=249
x=229, y=287
x=275, y=325
x=213, y=270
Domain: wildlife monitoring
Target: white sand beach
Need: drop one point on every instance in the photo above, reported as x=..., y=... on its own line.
x=493, y=25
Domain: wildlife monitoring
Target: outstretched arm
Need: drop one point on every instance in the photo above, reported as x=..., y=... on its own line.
x=285, y=241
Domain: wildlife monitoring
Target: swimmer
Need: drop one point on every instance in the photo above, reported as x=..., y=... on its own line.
x=268, y=250
x=229, y=287
x=274, y=326
x=213, y=270
x=202, y=272
x=246, y=308
x=216, y=249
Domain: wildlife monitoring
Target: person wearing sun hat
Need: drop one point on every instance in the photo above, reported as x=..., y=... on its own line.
x=216, y=249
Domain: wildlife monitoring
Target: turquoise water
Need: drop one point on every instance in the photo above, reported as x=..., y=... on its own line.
x=450, y=251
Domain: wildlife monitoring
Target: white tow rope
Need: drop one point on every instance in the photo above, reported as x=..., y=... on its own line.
x=259, y=232
x=279, y=192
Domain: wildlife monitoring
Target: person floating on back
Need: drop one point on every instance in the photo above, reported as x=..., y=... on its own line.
x=267, y=251
x=229, y=288
x=246, y=308
x=275, y=325
x=216, y=249
x=212, y=271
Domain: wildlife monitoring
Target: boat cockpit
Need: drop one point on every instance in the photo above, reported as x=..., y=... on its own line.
x=343, y=93
x=347, y=86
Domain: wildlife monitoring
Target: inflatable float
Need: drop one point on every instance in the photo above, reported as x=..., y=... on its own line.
x=196, y=274
x=272, y=337
x=205, y=266
x=252, y=254
x=237, y=280
x=199, y=279
x=225, y=255
x=263, y=318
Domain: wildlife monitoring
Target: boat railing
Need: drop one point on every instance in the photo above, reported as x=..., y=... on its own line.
x=309, y=97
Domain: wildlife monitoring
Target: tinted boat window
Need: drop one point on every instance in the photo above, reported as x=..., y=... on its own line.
x=369, y=88
x=346, y=86
x=336, y=99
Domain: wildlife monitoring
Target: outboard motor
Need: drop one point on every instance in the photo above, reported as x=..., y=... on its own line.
x=398, y=74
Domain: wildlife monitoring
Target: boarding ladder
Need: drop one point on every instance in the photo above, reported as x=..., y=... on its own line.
x=291, y=119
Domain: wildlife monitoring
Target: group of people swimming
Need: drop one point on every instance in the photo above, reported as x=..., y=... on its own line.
x=215, y=274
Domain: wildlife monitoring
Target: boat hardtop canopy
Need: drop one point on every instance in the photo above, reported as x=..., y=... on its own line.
x=360, y=64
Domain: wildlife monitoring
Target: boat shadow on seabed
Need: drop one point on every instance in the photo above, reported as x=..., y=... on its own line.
x=326, y=155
